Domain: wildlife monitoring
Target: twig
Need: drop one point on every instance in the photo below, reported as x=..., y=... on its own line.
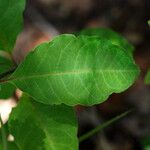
x=4, y=137
x=102, y=126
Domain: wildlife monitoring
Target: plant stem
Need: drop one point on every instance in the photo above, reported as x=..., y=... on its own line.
x=4, y=137
x=102, y=126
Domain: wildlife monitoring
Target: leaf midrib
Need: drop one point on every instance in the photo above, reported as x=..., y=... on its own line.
x=67, y=73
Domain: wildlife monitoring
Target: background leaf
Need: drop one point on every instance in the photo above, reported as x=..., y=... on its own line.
x=36, y=126
x=9, y=145
x=11, y=21
x=147, y=78
x=71, y=71
x=5, y=64
x=111, y=35
x=146, y=143
x=6, y=90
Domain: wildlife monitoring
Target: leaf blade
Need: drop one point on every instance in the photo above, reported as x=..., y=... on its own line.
x=73, y=72
x=49, y=127
x=11, y=22
x=147, y=78
x=6, y=90
x=111, y=35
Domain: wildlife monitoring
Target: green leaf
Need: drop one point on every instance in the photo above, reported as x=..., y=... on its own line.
x=5, y=64
x=147, y=78
x=71, y=71
x=4, y=143
x=36, y=126
x=11, y=22
x=11, y=146
x=146, y=143
x=109, y=34
x=6, y=90
x=148, y=22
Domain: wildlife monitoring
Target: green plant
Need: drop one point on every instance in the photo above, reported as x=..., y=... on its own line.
x=146, y=140
x=147, y=78
x=146, y=143
x=102, y=126
x=56, y=76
